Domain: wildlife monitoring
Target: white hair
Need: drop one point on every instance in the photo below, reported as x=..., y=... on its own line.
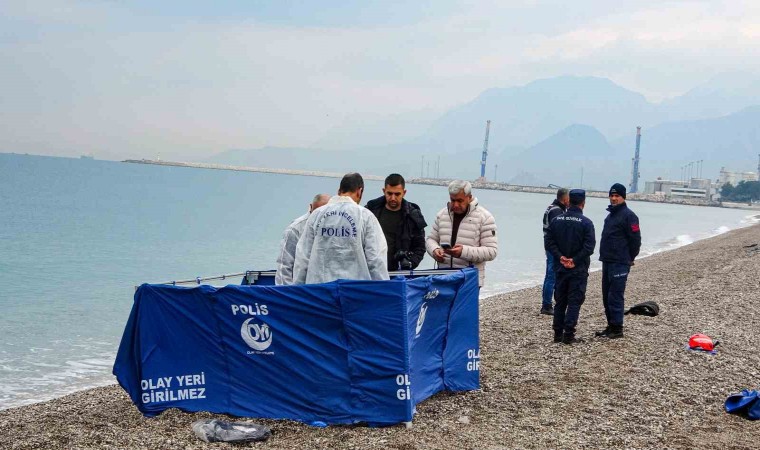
x=321, y=198
x=458, y=186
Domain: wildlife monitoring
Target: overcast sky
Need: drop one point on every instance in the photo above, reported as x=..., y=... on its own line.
x=190, y=78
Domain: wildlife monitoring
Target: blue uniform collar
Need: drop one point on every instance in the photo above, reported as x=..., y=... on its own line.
x=614, y=209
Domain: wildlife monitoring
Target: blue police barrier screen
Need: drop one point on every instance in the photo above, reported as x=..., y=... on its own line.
x=340, y=352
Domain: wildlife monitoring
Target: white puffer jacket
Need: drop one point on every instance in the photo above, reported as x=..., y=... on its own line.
x=477, y=235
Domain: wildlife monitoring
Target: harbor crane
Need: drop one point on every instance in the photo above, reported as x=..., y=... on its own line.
x=485, y=152
x=634, y=187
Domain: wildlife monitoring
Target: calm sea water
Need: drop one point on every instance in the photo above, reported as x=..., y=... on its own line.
x=76, y=236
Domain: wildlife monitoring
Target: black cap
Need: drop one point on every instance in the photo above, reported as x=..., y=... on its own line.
x=577, y=195
x=618, y=189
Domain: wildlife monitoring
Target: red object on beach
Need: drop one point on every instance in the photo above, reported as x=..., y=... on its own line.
x=702, y=342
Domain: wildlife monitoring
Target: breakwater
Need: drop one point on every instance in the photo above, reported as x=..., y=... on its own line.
x=654, y=198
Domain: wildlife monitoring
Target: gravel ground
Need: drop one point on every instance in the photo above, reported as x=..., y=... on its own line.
x=643, y=391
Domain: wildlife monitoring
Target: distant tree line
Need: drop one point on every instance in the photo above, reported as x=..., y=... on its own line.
x=745, y=191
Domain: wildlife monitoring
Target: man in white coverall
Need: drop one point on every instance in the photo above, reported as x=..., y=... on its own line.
x=464, y=232
x=290, y=236
x=342, y=240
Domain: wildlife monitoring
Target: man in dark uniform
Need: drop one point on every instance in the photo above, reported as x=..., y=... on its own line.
x=621, y=242
x=558, y=206
x=570, y=239
x=402, y=223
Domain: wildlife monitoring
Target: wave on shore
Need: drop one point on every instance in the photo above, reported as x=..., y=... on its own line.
x=533, y=279
x=686, y=239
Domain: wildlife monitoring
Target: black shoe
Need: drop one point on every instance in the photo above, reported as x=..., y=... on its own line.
x=557, y=336
x=570, y=339
x=604, y=333
x=548, y=311
x=615, y=333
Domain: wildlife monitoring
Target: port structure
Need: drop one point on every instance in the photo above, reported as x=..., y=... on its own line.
x=634, y=187
x=485, y=152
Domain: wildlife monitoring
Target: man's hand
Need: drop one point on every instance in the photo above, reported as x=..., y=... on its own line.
x=566, y=262
x=455, y=251
x=438, y=254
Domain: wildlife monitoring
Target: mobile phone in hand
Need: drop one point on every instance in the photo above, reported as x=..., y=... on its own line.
x=446, y=246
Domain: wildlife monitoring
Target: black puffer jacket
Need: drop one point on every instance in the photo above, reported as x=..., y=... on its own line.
x=410, y=236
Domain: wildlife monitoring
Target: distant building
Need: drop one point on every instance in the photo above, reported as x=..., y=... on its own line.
x=684, y=192
x=660, y=186
x=735, y=177
x=695, y=188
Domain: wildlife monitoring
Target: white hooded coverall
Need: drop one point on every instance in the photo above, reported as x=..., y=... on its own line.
x=290, y=236
x=341, y=240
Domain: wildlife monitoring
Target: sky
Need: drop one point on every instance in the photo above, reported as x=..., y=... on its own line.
x=186, y=79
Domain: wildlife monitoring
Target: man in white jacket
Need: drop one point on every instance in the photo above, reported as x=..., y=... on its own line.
x=464, y=233
x=290, y=236
x=342, y=240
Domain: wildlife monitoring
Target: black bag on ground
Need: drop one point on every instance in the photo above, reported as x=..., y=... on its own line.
x=649, y=308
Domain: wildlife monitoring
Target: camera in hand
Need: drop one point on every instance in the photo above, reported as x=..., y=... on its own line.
x=403, y=260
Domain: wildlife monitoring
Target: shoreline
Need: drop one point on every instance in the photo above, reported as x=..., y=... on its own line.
x=494, y=186
x=645, y=390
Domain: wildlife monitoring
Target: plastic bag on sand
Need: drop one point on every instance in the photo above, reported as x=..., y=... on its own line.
x=212, y=430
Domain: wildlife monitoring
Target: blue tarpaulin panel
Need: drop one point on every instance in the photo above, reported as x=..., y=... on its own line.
x=340, y=352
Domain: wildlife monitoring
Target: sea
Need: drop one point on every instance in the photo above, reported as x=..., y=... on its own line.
x=77, y=236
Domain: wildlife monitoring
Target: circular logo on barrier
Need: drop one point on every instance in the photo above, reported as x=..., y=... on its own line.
x=257, y=336
x=421, y=318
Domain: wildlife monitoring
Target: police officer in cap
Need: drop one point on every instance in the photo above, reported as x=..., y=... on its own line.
x=621, y=242
x=570, y=239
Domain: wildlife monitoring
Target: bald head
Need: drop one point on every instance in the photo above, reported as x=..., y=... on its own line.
x=319, y=200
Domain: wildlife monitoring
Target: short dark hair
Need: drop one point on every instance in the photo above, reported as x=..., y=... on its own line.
x=395, y=179
x=562, y=192
x=577, y=201
x=351, y=182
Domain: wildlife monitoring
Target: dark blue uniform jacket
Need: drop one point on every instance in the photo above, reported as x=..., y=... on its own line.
x=552, y=211
x=621, y=236
x=571, y=235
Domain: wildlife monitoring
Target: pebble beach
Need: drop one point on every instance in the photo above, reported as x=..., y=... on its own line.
x=646, y=390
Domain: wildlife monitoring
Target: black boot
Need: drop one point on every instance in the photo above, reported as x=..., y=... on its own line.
x=616, y=332
x=557, y=336
x=547, y=310
x=569, y=338
x=604, y=333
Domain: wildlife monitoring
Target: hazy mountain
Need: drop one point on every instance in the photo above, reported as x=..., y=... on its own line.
x=732, y=141
x=724, y=94
x=377, y=130
x=578, y=155
x=522, y=116
x=535, y=136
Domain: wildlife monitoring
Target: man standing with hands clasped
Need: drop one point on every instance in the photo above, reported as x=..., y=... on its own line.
x=570, y=239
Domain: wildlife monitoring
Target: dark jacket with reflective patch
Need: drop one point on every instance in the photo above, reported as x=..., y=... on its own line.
x=410, y=236
x=621, y=236
x=552, y=211
x=571, y=235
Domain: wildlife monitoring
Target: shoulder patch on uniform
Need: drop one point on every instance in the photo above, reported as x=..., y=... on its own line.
x=635, y=227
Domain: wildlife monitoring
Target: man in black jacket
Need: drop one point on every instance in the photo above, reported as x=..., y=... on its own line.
x=571, y=240
x=402, y=223
x=621, y=242
x=558, y=206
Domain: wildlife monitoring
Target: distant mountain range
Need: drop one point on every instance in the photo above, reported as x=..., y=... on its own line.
x=552, y=130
